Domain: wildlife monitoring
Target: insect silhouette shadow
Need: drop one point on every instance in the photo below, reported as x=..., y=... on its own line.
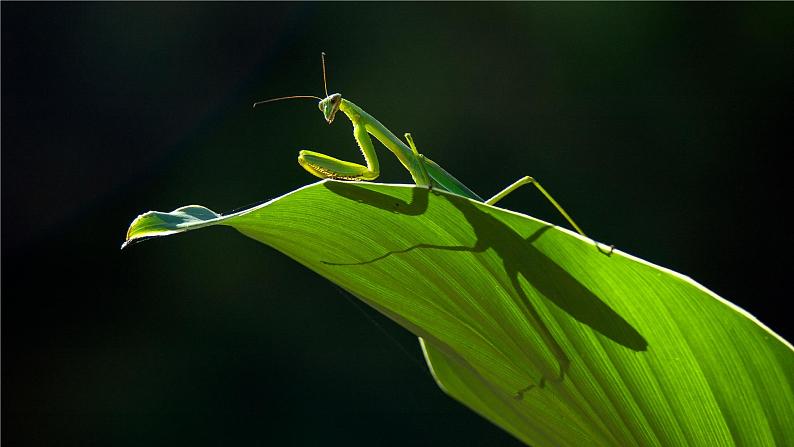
x=519, y=256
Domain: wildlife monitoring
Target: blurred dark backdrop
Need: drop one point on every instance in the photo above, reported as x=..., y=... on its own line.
x=663, y=128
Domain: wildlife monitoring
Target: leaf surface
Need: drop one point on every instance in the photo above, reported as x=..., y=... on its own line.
x=532, y=326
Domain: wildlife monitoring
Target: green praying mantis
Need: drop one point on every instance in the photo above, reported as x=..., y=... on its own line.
x=424, y=171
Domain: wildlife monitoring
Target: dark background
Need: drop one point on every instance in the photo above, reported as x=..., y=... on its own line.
x=663, y=128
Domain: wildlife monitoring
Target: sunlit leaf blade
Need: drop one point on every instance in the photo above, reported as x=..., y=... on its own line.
x=531, y=326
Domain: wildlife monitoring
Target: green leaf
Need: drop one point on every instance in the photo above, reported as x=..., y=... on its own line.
x=532, y=326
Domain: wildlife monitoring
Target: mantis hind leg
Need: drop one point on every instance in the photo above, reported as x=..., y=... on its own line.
x=529, y=180
x=325, y=166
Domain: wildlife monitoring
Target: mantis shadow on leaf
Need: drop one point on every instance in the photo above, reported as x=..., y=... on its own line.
x=352, y=191
x=519, y=256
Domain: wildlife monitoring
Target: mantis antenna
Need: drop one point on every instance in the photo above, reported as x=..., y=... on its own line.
x=288, y=97
x=325, y=84
x=325, y=87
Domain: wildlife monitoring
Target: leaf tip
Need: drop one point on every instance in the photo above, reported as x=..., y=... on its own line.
x=155, y=223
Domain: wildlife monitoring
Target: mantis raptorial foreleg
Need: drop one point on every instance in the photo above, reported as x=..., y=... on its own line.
x=325, y=166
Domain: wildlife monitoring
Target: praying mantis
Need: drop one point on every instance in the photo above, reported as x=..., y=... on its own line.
x=424, y=171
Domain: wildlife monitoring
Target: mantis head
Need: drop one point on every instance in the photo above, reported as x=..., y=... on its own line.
x=330, y=105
